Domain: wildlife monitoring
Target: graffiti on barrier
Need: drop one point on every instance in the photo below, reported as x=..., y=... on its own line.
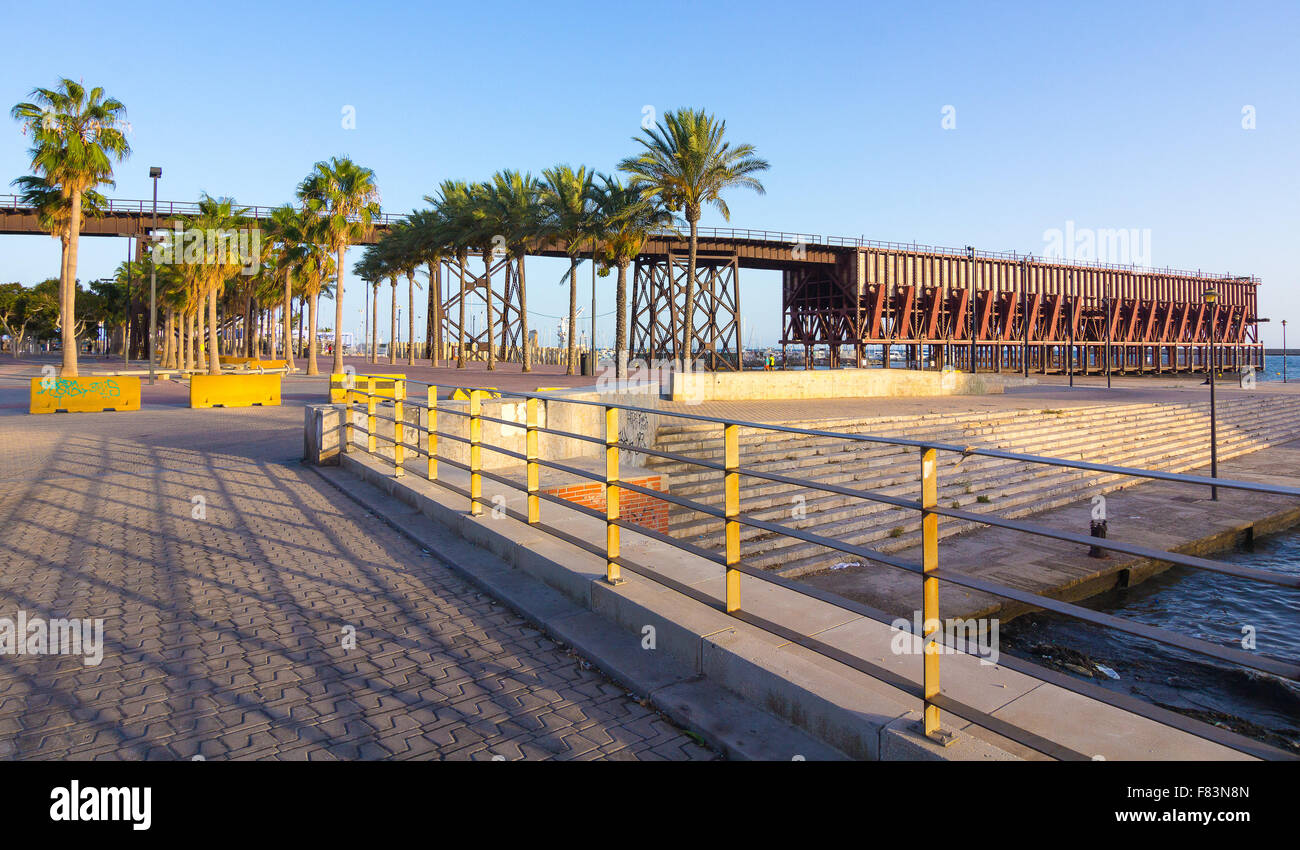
x=64, y=388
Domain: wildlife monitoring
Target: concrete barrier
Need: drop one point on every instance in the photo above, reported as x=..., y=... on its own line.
x=234, y=391
x=831, y=383
x=85, y=395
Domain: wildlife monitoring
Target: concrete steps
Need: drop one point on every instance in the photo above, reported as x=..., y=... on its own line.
x=1171, y=437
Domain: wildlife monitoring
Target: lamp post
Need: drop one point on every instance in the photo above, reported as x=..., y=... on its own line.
x=970, y=279
x=1284, y=351
x=154, y=173
x=1210, y=298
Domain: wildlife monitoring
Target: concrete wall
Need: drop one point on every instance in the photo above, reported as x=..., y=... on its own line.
x=829, y=383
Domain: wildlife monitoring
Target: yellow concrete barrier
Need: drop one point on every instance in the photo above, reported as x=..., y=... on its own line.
x=85, y=395
x=463, y=395
x=383, y=386
x=234, y=390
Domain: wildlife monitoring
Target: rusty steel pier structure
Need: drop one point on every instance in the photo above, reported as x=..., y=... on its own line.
x=1006, y=312
x=920, y=306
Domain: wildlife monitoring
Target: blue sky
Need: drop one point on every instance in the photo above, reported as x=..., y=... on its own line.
x=1107, y=115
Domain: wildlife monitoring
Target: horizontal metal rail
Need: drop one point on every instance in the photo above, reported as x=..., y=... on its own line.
x=172, y=209
x=733, y=518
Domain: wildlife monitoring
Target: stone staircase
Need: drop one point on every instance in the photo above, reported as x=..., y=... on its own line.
x=1172, y=437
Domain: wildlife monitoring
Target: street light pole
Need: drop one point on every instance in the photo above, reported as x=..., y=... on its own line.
x=1284, y=351
x=1210, y=298
x=154, y=173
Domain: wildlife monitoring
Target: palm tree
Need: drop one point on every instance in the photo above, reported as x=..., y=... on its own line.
x=516, y=204
x=76, y=136
x=567, y=196
x=314, y=268
x=685, y=165
x=288, y=231
x=371, y=270
x=455, y=230
x=404, y=254
x=425, y=241
x=346, y=196
x=217, y=219
x=626, y=218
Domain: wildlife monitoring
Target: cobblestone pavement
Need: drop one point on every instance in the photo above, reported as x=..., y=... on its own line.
x=227, y=577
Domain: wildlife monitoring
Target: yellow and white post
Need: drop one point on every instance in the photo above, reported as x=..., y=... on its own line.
x=369, y=384
x=530, y=455
x=930, y=594
x=475, y=452
x=731, y=509
x=431, y=439
x=612, y=572
x=399, y=448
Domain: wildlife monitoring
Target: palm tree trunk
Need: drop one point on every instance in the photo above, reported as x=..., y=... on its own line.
x=620, y=323
x=68, y=292
x=311, y=343
x=288, y=315
x=392, y=333
x=460, y=347
x=338, y=313
x=491, y=322
x=200, y=344
x=434, y=313
x=374, y=322
x=573, y=316
x=527, y=355
x=214, y=360
x=688, y=324
x=187, y=342
x=410, y=318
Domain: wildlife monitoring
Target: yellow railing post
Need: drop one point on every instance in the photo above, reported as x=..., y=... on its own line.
x=347, y=421
x=475, y=452
x=930, y=593
x=612, y=572
x=371, y=445
x=731, y=509
x=399, y=450
x=530, y=453
x=431, y=439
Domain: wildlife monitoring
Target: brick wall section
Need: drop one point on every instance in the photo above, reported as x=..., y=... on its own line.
x=636, y=508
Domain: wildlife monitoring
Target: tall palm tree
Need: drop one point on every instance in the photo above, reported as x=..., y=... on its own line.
x=425, y=241
x=687, y=164
x=455, y=230
x=403, y=253
x=288, y=232
x=625, y=219
x=314, y=269
x=567, y=196
x=516, y=207
x=218, y=219
x=346, y=196
x=77, y=134
x=371, y=270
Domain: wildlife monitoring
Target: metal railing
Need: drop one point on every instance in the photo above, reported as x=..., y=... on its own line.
x=171, y=209
x=933, y=699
